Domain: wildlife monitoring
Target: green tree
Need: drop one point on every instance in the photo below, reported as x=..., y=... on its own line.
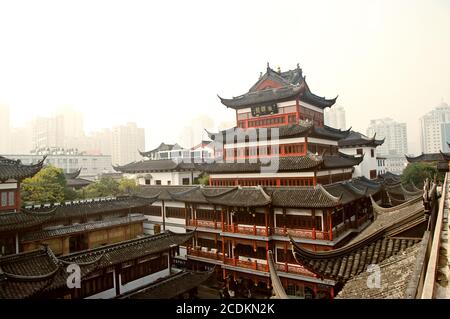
x=106, y=186
x=128, y=186
x=418, y=172
x=203, y=179
x=47, y=186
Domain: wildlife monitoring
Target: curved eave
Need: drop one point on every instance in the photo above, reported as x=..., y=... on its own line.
x=144, y=154
x=445, y=157
x=240, y=103
x=318, y=101
x=277, y=286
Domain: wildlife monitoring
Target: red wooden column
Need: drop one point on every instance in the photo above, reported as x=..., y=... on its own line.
x=186, y=217
x=313, y=216
x=17, y=197
x=266, y=217
x=163, y=215
x=330, y=223
x=267, y=256
x=222, y=219
x=286, y=268
x=223, y=251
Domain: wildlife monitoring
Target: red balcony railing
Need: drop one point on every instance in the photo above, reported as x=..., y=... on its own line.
x=205, y=223
x=295, y=269
x=255, y=265
x=251, y=230
x=204, y=254
x=302, y=233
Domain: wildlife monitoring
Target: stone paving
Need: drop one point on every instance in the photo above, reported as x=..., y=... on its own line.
x=443, y=273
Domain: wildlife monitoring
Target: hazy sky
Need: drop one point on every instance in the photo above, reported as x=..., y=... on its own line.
x=161, y=63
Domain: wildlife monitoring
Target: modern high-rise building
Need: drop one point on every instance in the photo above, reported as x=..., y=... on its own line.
x=100, y=141
x=48, y=132
x=4, y=129
x=64, y=129
x=434, y=134
x=127, y=140
x=335, y=117
x=394, y=133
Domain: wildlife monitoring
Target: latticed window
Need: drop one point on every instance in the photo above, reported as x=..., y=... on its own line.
x=175, y=212
x=299, y=222
x=206, y=214
x=153, y=211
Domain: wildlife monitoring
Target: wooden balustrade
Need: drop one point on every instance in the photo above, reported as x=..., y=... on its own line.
x=251, y=230
x=255, y=265
x=295, y=269
x=302, y=233
x=204, y=254
x=205, y=223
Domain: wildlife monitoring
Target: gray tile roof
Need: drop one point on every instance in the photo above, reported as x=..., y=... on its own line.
x=373, y=245
x=149, y=166
x=355, y=139
x=12, y=169
x=396, y=272
x=172, y=286
x=290, y=81
x=307, y=162
x=34, y=217
x=79, y=228
x=300, y=129
x=35, y=273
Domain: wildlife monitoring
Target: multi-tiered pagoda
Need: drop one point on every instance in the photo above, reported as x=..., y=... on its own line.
x=280, y=120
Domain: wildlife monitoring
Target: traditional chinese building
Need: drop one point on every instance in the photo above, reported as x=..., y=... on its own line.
x=393, y=248
x=358, y=144
x=74, y=180
x=105, y=272
x=74, y=225
x=280, y=138
x=440, y=159
x=161, y=172
x=12, y=172
x=237, y=226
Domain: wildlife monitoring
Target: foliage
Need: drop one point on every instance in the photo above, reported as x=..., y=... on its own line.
x=106, y=186
x=418, y=172
x=203, y=179
x=128, y=186
x=47, y=186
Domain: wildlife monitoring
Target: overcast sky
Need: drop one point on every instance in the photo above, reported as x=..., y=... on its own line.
x=161, y=63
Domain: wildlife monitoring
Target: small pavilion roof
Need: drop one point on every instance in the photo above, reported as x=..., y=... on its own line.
x=162, y=147
x=429, y=157
x=355, y=139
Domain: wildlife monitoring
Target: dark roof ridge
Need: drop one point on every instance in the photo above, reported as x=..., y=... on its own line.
x=333, y=198
x=127, y=243
x=220, y=194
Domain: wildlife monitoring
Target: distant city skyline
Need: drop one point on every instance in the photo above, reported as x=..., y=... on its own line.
x=389, y=59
